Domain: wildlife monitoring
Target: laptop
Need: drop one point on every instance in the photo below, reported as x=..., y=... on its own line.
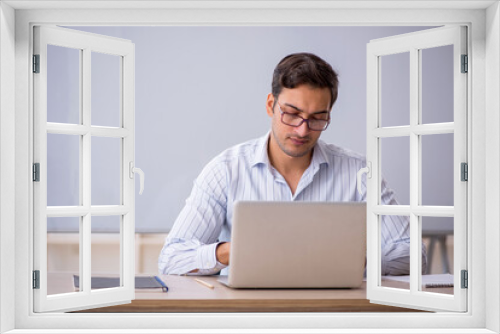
x=297, y=245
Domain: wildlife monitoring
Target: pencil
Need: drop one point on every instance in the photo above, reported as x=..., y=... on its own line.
x=208, y=285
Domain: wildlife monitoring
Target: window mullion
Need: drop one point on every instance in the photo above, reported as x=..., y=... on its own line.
x=127, y=118
x=86, y=172
x=415, y=170
x=377, y=173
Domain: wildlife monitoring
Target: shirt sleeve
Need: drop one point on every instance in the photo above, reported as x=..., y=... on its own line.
x=192, y=242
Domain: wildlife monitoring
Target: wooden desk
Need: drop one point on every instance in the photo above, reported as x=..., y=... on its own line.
x=187, y=295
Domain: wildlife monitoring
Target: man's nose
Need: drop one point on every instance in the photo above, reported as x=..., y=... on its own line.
x=303, y=129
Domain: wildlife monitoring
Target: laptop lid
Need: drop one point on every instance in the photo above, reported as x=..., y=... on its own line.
x=297, y=245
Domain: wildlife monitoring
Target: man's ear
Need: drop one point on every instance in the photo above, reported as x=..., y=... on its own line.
x=270, y=104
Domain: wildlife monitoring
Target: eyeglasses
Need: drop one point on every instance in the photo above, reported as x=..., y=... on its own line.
x=314, y=124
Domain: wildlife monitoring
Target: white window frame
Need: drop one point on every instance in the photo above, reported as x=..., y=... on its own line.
x=483, y=20
x=123, y=50
x=413, y=44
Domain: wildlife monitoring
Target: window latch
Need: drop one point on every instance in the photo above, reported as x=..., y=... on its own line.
x=132, y=171
x=368, y=171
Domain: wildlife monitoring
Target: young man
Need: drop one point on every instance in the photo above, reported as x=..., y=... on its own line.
x=290, y=163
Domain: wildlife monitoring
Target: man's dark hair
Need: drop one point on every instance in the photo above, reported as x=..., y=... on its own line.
x=304, y=68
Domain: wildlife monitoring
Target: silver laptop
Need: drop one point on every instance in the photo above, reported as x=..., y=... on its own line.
x=297, y=245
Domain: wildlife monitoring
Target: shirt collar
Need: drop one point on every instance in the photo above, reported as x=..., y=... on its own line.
x=261, y=157
x=319, y=155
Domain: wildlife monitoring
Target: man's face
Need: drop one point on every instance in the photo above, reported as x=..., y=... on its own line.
x=306, y=102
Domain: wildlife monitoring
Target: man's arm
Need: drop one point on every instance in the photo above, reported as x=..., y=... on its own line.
x=191, y=244
x=222, y=253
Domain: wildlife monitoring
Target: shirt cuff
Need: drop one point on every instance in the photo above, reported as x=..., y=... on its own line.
x=207, y=261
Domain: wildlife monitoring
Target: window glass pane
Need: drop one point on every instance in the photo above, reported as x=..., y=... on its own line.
x=63, y=253
x=63, y=84
x=395, y=261
x=106, y=171
x=395, y=89
x=437, y=84
x=63, y=170
x=106, y=94
x=437, y=234
x=106, y=250
x=437, y=169
x=395, y=167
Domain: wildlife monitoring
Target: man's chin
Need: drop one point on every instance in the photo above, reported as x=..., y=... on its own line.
x=297, y=153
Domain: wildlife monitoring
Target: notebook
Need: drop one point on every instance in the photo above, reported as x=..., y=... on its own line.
x=297, y=245
x=141, y=282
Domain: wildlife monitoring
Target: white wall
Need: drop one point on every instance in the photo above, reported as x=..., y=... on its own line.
x=7, y=168
x=492, y=184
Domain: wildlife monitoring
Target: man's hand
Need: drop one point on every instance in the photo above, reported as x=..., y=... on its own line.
x=222, y=252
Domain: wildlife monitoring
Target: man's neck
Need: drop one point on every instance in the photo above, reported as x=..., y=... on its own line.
x=286, y=164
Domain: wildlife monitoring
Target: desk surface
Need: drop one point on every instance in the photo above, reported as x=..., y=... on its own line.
x=187, y=295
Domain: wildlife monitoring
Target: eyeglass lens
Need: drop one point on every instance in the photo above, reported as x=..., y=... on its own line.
x=295, y=120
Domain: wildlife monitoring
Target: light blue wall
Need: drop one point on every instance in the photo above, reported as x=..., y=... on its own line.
x=200, y=90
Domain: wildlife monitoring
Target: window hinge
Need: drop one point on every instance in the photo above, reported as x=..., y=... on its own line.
x=36, y=279
x=36, y=172
x=465, y=172
x=465, y=64
x=465, y=279
x=36, y=63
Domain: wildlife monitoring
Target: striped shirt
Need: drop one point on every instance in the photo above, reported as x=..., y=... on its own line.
x=243, y=172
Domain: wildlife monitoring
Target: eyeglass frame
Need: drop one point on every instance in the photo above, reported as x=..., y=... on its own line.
x=303, y=119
